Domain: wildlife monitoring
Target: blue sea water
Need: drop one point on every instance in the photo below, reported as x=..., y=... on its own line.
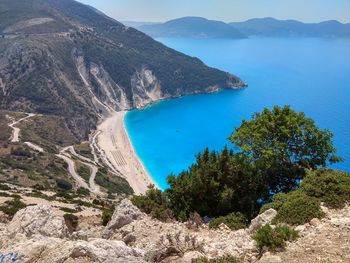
x=311, y=75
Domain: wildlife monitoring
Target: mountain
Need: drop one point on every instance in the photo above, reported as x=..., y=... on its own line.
x=192, y=27
x=137, y=24
x=63, y=58
x=271, y=27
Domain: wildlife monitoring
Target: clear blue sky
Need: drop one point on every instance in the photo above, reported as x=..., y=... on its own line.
x=225, y=10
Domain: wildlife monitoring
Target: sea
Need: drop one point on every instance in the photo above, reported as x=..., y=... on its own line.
x=310, y=75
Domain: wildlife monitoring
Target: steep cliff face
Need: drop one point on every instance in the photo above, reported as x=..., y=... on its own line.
x=63, y=58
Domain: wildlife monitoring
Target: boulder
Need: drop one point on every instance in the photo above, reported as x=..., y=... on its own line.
x=46, y=249
x=269, y=258
x=124, y=214
x=38, y=219
x=262, y=219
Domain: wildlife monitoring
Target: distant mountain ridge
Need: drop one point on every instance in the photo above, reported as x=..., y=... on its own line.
x=197, y=27
x=64, y=58
x=271, y=27
x=193, y=27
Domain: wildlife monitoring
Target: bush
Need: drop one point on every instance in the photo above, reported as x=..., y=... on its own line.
x=234, y=221
x=330, y=186
x=68, y=210
x=62, y=184
x=113, y=184
x=223, y=259
x=154, y=203
x=83, y=191
x=71, y=221
x=272, y=239
x=11, y=207
x=295, y=208
x=175, y=244
x=106, y=217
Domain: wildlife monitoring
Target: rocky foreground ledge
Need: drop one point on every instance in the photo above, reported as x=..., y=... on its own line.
x=37, y=234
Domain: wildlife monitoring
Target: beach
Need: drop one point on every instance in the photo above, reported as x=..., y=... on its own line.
x=114, y=146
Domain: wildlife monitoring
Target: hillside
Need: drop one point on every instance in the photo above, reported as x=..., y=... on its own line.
x=192, y=27
x=63, y=58
x=271, y=27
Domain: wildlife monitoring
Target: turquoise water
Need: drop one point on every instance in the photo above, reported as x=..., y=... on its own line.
x=311, y=75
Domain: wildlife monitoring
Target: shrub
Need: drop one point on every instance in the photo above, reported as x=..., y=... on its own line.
x=295, y=208
x=63, y=184
x=223, y=259
x=83, y=191
x=4, y=187
x=113, y=184
x=234, y=221
x=154, y=203
x=11, y=207
x=68, y=210
x=175, y=245
x=71, y=221
x=106, y=216
x=330, y=186
x=272, y=239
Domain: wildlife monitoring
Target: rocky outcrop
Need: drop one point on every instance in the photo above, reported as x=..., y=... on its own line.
x=262, y=219
x=38, y=219
x=36, y=235
x=124, y=214
x=324, y=240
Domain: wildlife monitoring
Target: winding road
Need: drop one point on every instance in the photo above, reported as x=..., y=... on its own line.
x=92, y=187
x=15, y=131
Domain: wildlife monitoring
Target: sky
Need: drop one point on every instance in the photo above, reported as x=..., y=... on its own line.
x=224, y=10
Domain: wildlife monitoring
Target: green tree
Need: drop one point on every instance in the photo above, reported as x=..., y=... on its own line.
x=282, y=144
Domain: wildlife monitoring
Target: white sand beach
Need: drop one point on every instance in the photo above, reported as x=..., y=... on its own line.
x=115, y=147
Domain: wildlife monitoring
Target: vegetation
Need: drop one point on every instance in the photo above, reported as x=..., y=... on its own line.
x=154, y=202
x=113, y=183
x=68, y=210
x=11, y=207
x=234, y=221
x=84, y=171
x=300, y=206
x=272, y=239
x=106, y=216
x=297, y=208
x=71, y=221
x=223, y=259
x=331, y=187
x=272, y=153
x=175, y=245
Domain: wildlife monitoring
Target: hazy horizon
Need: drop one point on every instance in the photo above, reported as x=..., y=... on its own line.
x=312, y=11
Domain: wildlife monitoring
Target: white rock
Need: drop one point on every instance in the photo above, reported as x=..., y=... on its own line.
x=262, y=219
x=124, y=214
x=269, y=258
x=38, y=219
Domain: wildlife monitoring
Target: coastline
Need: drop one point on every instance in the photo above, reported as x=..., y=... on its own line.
x=115, y=147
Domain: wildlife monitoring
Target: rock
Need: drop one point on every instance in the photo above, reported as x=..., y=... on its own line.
x=38, y=219
x=300, y=228
x=129, y=239
x=124, y=214
x=224, y=227
x=269, y=258
x=262, y=219
x=190, y=256
x=44, y=249
x=315, y=222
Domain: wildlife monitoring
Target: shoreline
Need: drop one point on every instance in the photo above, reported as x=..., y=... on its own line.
x=115, y=147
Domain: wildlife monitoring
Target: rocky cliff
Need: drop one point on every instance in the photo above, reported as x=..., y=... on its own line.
x=40, y=234
x=60, y=57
